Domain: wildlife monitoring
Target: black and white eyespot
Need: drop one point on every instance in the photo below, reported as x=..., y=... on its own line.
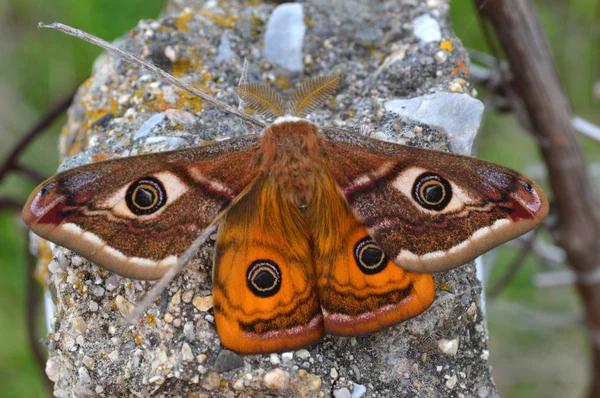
x=263, y=278
x=145, y=196
x=528, y=187
x=432, y=192
x=369, y=257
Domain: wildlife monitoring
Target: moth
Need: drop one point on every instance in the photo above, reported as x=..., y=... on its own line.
x=320, y=230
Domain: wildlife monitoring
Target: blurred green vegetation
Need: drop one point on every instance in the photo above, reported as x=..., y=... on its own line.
x=37, y=69
x=537, y=350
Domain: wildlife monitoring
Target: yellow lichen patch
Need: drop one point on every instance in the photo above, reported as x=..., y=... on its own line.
x=256, y=21
x=308, y=21
x=79, y=287
x=255, y=3
x=43, y=260
x=180, y=67
x=139, y=339
x=445, y=287
x=225, y=21
x=150, y=320
x=282, y=83
x=446, y=45
x=181, y=22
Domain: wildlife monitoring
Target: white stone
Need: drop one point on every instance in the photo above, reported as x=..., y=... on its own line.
x=277, y=379
x=449, y=347
x=426, y=29
x=358, y=391
x=274, y=359
x=284, y=36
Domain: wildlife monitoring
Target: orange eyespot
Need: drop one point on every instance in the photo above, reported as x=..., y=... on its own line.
x=432, y=191
x=264, y=278
x=369, y=257
x=145, y=196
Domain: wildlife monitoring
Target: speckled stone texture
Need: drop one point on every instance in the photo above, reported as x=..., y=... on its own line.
x=122, y=111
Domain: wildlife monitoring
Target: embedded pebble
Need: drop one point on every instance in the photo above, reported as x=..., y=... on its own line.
x=97, y=291
x=451, y=381
x=358, y=391
x=203, y=303
x=170, y=53
x=342, y=393
x=187, y=297
x=228, y=360
x=224, y=50
x=79, y=325
x=303, y=354
x=458, y=114
x=277, y=379
x=93, y=306
x=157, y=380
x=287, y=356
x=52, y=368
x=147, y=127
x=170, y=141
x=284, y=36
x=274, y=359
x=89, y=362
x=113, y=355
x=188, y=330
x=186, y=352
x=426, y=29
x=175, y=300
x=441, y=57
x=124, y=306
x=449, y=347
x=112, y=282
x=76, y=260
x=485, y=354
x=334, y=373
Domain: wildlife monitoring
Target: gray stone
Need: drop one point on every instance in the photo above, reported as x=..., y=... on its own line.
x=228, y=360
x=458, y=114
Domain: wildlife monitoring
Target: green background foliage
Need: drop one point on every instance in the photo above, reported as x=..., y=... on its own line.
x=538, y=346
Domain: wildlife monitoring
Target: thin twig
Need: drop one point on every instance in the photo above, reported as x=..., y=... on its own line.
x=11, y=161
x=10, y=204
x=29, y=172
x=514, y=266
x=136, y=60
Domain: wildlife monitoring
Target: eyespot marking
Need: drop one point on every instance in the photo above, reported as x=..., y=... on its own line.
x=432, y=192
x=145, y=196
x=263, y=278
x=369, y=257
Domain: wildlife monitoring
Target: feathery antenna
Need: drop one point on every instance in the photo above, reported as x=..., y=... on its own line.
x=311, y=94
x=262, y=99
